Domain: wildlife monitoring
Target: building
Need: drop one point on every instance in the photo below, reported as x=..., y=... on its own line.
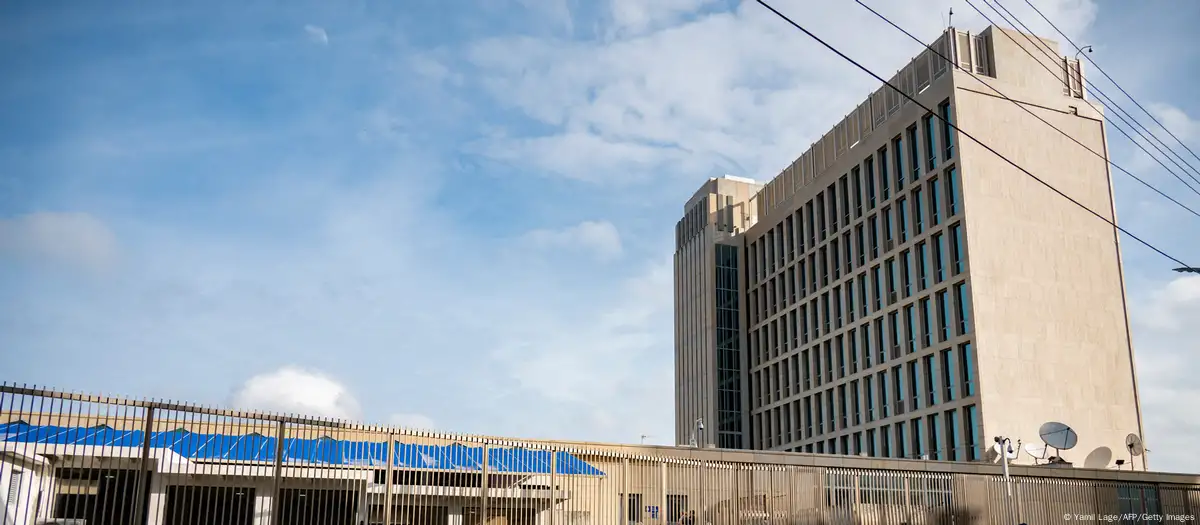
x=904, y=293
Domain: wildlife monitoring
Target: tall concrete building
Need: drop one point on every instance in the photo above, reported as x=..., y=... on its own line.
x=899, y=291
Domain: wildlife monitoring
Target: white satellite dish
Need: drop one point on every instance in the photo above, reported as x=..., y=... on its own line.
x=1035, y=451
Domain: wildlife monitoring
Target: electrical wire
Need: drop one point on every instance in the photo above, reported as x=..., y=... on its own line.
x=962, y=132
x=1026, y=109
x=1114, y=82
x=1118, y=110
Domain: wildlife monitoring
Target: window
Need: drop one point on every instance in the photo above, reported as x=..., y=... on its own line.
x=952, y=444
x=966, y=361
x=898, y=154
x=930, y=143
x=862, y=247
x=808, y=418
x=822, y=220
x=951, y=192
x=949, y=376
x=887, y=226
x=879, y=344
x=862, y=293
x=873, y=226
x=836, y=254
x=853, y=344
x=812, y=234
x=789, y=238
x=943, y=316
x=857, y=176
x=935, y=202
x=918, y=439
x=922, y=271
x=902, y=206
x=878, y=282
x=884, y=395
x=956, y=249
x=841, y=397
x=14, y=486
x=850, y=312
x=890, y=264
x=865, y=337
x=914, y=159
x=910, y=323
x=839, y=341
x=831, y=194
x=906, y=272
x=807, y=374
x=871, y=449
x=939, y=258
x=914, y=385
x=869, y=394
x=884, y=185
x=845, y=184
x=802, y=278
x=885, y=441
x=825, y=311
x=901, y=440
x=935, y=437
x=972, y=433
x=931, y=375
x=633, y=507
x=947, y=131
x=894, y=326
x=823, y=260
x=927, y=319
x=898, y=385
x=918, y=211
x=869, y=167
x=964, y=308
x=849, y=258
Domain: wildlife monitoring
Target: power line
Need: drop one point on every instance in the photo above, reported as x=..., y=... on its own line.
x=961, y=131
x=1114, y=83
x=1119, y=112
x=1026, y=109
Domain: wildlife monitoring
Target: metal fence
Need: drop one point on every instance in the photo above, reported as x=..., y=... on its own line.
x=69, y=458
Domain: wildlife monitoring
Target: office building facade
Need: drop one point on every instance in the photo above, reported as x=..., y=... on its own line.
x=905, y=293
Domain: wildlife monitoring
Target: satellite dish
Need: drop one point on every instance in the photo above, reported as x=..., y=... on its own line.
x=1099, y=458
x=1035, y=451
x=1133, y=443
x=1010, y=452
x=1059, y=436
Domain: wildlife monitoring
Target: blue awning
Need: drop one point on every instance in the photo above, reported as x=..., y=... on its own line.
x=325, y=450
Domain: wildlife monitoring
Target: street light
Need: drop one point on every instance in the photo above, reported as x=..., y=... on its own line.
x=1186, y=269
x=1005, y=448
x=1081, y=50
x=698, y=430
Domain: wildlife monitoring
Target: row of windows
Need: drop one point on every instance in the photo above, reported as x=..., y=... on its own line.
x=940, y=315
x=821, y=217
x=940, y=377
x=729, y=388
x=860, y=246
x=950, y=435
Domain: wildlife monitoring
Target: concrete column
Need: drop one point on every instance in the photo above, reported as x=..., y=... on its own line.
x=156, y=508
x=263, y=506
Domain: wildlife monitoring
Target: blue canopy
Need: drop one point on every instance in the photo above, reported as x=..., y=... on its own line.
x=323, y=450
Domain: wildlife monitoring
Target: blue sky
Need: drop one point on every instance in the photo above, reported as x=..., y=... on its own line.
x=457, y=214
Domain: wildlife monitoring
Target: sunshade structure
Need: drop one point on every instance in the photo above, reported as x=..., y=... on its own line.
x=321, y=451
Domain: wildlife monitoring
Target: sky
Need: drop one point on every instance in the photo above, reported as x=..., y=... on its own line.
x=459, y=214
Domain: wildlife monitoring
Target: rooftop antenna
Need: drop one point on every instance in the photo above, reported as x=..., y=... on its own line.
x=1133, y=443
x=1058, y=436
x=950, y=23
x=644, y=436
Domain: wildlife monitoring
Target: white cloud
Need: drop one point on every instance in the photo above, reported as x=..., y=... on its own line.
x=740, y=87
x=295, y=390
x=600, y=238
x=317, y=34
x=1165, y=334
x=73, y=239
x=412, y=421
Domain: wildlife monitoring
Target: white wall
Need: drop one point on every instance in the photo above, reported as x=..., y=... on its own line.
x=21, y=510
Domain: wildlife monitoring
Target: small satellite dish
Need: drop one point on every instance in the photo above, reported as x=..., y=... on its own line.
x=1099, y=458
x=1133, y=443
x=1059, y=436
x=1035, y=451
x=1009, y=451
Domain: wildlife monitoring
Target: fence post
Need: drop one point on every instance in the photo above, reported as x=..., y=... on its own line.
x=624, y=514
x=483, y=485
x=663, y=510
x=387, y=482
x=553, y=485
x=277, y=472
x=140, y=509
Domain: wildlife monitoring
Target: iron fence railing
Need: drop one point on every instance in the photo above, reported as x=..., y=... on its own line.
x=70, y=458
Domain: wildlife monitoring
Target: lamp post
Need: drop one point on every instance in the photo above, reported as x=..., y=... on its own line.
x=698, y=431
x=1081, y=50
x=1006, y=448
